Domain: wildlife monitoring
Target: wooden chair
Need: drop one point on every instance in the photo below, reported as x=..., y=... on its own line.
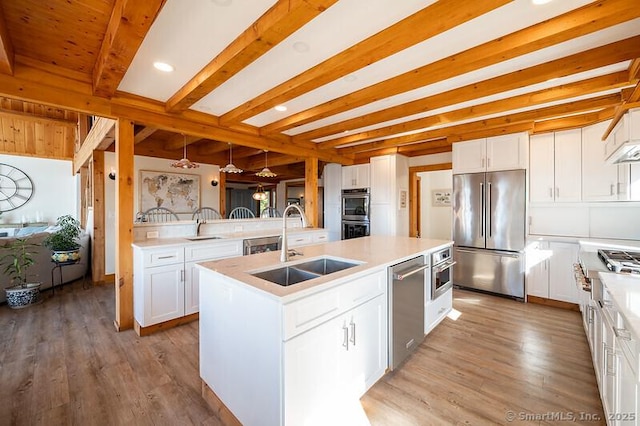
x=270, y=212
x=160, y=214
x=204, y=214
x=241, y=213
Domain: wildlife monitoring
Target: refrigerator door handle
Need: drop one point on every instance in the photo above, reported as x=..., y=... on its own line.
x=500, y=253
x=490, y=210
x=482, y=209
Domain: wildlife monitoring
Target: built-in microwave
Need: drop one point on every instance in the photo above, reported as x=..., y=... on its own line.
x=355, y=204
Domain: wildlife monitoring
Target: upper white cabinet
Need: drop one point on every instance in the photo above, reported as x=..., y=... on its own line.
x=505, y=152
x=555, y=167
x=601, y=181
x=355, y=176
x=624, y=140
x=389, y=177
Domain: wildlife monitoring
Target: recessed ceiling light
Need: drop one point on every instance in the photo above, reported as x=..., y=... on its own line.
x=163, y=66
x=539, y=2
x=301, y=47
x=280, y=108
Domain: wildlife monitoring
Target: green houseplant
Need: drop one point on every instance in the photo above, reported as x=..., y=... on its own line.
x=64, y=242
x=17, y=258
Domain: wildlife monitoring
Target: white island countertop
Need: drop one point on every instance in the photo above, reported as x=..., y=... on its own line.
x=624, y=291
x=372, y=252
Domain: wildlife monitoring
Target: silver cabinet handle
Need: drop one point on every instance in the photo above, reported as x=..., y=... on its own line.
x=611, y=190
x=608, y=355
x=622, y=333
x=557, y=192
x=441, y=310
x=182, y=275
x=353, y=332
x=345, y=340
x=403, y=275
x=550, y=192
x=166, y=257
x=483, y=162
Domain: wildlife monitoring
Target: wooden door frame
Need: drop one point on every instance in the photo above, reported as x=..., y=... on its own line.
x=414, y=195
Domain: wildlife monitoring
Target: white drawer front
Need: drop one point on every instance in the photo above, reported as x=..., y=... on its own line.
x=436, y=310
x=165, y=256
x=320, y=237
x=218, y=250
x=299, y=240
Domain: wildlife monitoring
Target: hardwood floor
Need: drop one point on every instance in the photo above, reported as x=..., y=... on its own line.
x=61, y=362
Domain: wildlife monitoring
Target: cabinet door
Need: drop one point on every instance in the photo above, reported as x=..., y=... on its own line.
x=608, y=384
x=626, y=409
x=562, y=285
x=469, y=156
x=541, y=182
x=507, y=152
x=312, y=371
x=537, y=277
x=567, y=165
x=599, y=180
x=362, y=175
x=348, y=177
x=191, y=288
x=163, y=293
x=382, y=179
x=367, y=355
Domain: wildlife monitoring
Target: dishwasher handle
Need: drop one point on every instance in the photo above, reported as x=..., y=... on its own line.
x=403, y=275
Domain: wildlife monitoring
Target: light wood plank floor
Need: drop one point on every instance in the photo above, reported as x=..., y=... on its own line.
x=62, y=363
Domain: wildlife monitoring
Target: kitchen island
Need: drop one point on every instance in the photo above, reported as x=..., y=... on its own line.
x=304, y=353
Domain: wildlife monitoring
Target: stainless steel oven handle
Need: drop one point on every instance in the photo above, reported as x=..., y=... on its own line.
x=403, y=275
x=444, y=266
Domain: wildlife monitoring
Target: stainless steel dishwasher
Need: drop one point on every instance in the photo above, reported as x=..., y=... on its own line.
x=406, y=299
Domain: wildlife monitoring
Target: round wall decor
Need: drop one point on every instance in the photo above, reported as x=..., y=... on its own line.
x=16, y=188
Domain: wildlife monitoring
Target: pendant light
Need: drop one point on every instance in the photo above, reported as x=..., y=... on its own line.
x=260, y=194
x=230, y=168
x=184, y=163
x=266, y=173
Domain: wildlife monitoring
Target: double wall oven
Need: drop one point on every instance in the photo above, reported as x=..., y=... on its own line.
x=355, y=213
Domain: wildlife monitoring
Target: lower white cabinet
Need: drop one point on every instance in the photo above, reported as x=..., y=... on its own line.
x=550, y=274
x=163, y=295
x=342, y=358
x=436, y=310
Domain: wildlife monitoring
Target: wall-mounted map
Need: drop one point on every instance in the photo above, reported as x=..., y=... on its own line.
x=178, y=192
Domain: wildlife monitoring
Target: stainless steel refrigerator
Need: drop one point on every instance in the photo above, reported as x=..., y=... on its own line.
x=489, y=231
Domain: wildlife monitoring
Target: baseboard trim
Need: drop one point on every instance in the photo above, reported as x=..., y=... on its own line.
x=554, y=303
x=221, y=411
x=145, y=331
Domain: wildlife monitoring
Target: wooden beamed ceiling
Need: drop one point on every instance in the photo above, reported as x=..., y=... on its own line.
x=84, y=62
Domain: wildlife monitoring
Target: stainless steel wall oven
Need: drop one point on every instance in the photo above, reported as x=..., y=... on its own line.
x=441, y=271
x=355, y=204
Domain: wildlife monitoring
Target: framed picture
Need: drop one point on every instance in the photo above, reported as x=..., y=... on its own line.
x=441, y=197
x=178, y=192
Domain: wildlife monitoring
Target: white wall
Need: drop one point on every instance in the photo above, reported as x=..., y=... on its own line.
x=435, y=221
x=209, y=195
x=424, y=160
x=55, y=190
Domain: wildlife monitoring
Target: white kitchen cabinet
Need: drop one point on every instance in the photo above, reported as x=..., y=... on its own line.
x=389, y=176
x=332, y=178
x=506, y=152
x=626, y=130
x=356, y=176
x=163, y=294
x=342, y=358
x=550, y=272
x=307, y=238
x=555, y=167
x=601, y=181
x=436, y=310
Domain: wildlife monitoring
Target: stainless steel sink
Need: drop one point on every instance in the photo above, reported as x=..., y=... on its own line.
x=293, y=274
x=286, y=276
x=203, y=237
x=324, y=266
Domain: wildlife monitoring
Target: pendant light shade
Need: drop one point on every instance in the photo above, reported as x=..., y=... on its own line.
x=184, y=163
x=230, y=168
x=266, y=173
x=260, y=194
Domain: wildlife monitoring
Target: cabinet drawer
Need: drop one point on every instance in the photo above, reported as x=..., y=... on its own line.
x=320, y=237
x=436, y=310
x=164, y=256
x=298, y=240
x=218, y=250
x=306, y=313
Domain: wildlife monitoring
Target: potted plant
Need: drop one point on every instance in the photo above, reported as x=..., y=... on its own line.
x=16, y=261
x=64, y=242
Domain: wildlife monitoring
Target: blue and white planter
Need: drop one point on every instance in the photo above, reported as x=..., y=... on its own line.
x=21, y=297
x=66, y=256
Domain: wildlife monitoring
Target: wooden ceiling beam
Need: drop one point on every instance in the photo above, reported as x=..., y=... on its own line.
x=178, y=141
x=243, y=152
x=566, y=123
x=100, y=137
x=634, y=69
x=7, y=55
x=212, y=147
x=274, y=160
x=37, y=118
x=422, y=25
x=492, y=126
x=428, y=151
x=585, y=20
x=279, y=22
x=143, y=134
x=129, y=23
x=634, y=96
x=570, y=90
x=469, y=134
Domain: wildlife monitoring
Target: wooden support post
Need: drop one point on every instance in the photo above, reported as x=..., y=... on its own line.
x=311, y=190
x=222, y=183
x=124, y=224
x=97, y=242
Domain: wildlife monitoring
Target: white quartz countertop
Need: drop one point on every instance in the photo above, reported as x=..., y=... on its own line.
x=166, y=242
x=374, y=252
x=624, y=291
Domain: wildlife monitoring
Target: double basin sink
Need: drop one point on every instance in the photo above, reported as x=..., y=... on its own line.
x=300, y=272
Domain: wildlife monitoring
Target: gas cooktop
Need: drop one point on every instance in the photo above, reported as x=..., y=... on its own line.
x=622, y=261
